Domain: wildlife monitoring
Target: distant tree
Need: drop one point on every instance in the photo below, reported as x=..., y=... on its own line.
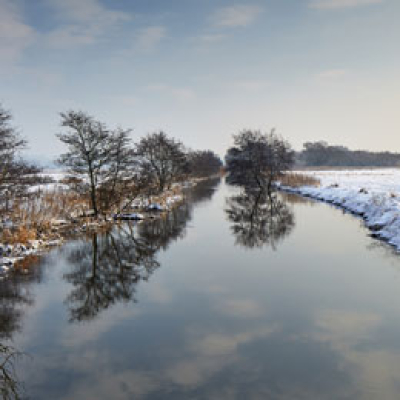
x=163, y=157
x=316, y=154
x=16, y=175
x=204, y=163
x=258, y=159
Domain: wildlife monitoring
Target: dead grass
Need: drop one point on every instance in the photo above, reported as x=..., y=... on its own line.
x=40, y=210
x=37, y=217
x=32, y=217
x=22, y=234
x=299, y=179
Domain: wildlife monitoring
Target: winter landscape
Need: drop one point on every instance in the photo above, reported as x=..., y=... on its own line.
x=199, y=200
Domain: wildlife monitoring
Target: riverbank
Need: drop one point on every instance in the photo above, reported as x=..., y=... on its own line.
x=19, y=242
x=372, y=194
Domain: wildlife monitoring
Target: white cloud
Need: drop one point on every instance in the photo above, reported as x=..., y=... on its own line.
x=71, y=36
x=15, y=34
x=83, y=22
x=208, y=353
x=211, y=38
x=240, y=15
x=148, y=38
x=335, y=4
x=86, y=11
x=240, y=308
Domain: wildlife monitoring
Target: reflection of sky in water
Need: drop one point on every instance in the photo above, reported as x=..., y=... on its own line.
x=316, y=318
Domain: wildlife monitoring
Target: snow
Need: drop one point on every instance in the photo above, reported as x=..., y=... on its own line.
x=10, y=254
x=155, y=207
x=173, y=199
x=56, y=175
x=373, y=194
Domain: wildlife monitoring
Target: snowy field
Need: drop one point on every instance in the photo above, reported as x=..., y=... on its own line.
x=373, y=194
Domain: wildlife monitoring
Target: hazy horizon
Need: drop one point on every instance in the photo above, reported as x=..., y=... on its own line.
x=203, y=70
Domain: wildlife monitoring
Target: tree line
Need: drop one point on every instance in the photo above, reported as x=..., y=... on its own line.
x=317, y=154
x=103, y=165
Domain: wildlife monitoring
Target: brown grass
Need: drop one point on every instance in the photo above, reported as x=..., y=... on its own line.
x=33, y=216
x=39, y=210
x=297, y=180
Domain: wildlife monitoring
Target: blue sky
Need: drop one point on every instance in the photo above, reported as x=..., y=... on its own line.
x=204, y=69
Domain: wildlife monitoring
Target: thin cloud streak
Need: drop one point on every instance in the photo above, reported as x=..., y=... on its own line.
x=86, y=11
x=211, y=38
x=338, y=4
x=83, y=23
x=15, y=34
x=252, y=85
x=240, y=15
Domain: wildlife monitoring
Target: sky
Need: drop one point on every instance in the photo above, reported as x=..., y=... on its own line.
x=202, y=70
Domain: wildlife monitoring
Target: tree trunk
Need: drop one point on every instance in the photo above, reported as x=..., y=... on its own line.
x=93, y=200
x=93, y=193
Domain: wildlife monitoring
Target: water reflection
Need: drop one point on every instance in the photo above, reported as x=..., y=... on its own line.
x=107, y=268
x=259, y=218
x=300, y=326
x=10, y=388
x=15, y=297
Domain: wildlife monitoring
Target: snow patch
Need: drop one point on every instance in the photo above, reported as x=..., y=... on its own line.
x=372, y=194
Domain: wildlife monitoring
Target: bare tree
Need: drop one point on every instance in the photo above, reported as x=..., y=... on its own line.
x=122, y=181
x=163, y=157
x=16, y=175
x=87, y=155
x=101, y=162
x=258, y=159
x=204, y=163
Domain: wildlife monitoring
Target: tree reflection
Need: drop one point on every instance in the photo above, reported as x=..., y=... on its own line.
x=107, y=268
x=259, y=218
x=161, y=232
x=10, y=387
x=15, y=296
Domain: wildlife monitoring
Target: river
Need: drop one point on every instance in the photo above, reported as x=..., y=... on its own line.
x=229, y=297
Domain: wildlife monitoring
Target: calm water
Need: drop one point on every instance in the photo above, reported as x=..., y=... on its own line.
x=230, y=297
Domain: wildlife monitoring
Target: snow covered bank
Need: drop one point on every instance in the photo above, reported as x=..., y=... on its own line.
x=10, y=255
x=372, y=194
x=60, y=224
